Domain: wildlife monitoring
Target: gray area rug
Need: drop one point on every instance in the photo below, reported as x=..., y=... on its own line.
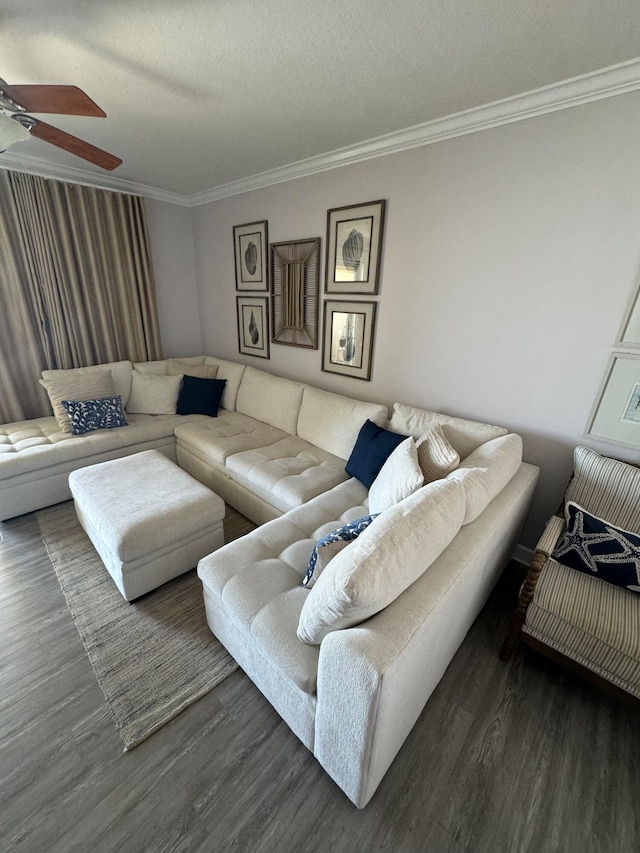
x=152, y=658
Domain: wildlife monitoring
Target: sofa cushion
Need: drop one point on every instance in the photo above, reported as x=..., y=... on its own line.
x=177, y=366
x=152, y=394
x=465, y=436
x=233, y=373
x=325, y=548
x=486, y=471
x=599, y=549
x=288, y=472
x=387, y=558
x=79, y=387
x=200, y=396
x=373, y=447
x=332, y=422
x=271, y=399
x=258, y=579
x=89, y=415
x=399, y=477
x=214, y=440
x=606, y=488
x=436, y=456
x=120, y=373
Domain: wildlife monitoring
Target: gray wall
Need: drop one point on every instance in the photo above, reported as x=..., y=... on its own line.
x=508, y=261
x=174, y=264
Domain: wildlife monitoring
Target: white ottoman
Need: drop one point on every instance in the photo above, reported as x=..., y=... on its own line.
x=148, y=520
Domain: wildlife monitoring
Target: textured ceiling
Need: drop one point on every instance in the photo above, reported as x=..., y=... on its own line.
x=207, y=92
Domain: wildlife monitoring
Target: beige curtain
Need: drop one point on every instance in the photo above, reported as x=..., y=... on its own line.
x=76, y=285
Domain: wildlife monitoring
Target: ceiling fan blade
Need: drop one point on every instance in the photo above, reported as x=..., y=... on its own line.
x=76, y=146
x=64, y=100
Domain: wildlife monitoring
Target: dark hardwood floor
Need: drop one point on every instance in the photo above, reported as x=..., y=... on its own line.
x=505, y=757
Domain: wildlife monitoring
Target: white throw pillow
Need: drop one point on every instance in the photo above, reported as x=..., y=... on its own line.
x=383, y=561
x=152, y=394
x=486, y=471
x=399, y=477
x=76, y=387
x=436, y=456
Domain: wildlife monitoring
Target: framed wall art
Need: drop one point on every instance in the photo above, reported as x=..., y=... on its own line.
x=616, y=414
x=253, y=325
x=629, y=335
x=295, y=283
x=347, y=337
x=354, y=248
x=250, y=243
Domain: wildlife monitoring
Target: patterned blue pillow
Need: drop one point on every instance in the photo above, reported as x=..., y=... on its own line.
x=346, y=533
x=89, y=415
x=599, y=549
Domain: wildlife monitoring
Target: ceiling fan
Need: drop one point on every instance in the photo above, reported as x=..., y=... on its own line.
x=16, y=125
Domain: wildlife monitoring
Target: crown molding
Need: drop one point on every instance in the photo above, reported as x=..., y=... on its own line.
x=606, y=83
x=595, y=86
x=74, y=175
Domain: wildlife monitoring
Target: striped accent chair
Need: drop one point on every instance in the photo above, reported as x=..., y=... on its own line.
x=574, y=617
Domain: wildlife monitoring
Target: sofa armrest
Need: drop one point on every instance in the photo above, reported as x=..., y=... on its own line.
x=374, y=681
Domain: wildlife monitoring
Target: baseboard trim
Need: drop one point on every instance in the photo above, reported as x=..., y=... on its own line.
x=522, y=554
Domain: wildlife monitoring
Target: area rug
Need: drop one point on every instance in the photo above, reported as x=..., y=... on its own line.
x=152, y=658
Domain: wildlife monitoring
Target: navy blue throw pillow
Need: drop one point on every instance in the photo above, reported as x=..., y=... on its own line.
x=599, y=549
x=373, y=447
x=90, y=415
x=200, y=396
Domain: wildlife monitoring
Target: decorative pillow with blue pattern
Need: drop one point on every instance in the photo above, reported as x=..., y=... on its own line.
x=328, y=546
x=90, y=415
x=597, y=548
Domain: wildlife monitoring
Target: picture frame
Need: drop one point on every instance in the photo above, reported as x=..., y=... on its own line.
x=347, y=338
x=253, y=325
x=295, y=285
x=629, y=333
x=354, y=248
x=615, y=417
x=250, y=242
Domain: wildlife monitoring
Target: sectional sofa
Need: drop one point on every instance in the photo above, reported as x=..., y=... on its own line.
x=350, y=660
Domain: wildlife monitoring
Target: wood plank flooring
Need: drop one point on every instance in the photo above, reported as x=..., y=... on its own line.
x=505, y=757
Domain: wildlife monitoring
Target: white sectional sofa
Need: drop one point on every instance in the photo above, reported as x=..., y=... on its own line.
x=350, y=662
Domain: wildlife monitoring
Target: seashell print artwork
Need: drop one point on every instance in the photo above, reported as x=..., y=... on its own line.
x=251, y=258
x=253, y=330
x=352, y=250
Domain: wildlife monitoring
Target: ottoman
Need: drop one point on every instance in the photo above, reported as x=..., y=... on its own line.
x=148, y=520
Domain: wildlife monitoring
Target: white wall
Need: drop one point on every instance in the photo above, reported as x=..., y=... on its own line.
x=508, y=261
x=174, y=263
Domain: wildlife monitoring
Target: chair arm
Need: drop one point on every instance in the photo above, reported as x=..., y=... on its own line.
x=545, y=547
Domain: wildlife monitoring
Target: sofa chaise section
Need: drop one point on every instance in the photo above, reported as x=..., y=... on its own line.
x=353, y=699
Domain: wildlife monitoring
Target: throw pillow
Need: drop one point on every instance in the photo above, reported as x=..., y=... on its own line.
x=399, y=477
x=597, y=548
x=436, y=456
x=203, y=371
x=330, y=544
x=80, y=386
x=385, y=559
x=152, y=394
x=90, y=415
x=373, y=447
x=200, y=396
